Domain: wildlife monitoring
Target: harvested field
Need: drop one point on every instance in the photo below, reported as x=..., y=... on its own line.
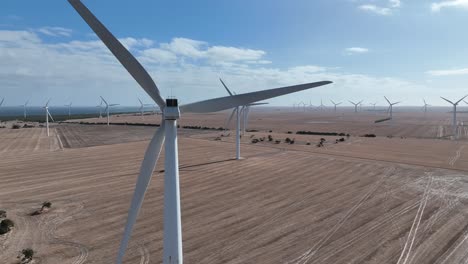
x=281, y=204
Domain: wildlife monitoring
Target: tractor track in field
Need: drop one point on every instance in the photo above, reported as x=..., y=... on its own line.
x=306, y=256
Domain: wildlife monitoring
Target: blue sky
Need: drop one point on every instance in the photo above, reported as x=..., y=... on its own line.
x=404, y=49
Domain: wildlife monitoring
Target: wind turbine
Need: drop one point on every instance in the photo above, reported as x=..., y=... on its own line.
x=454, y=123
x=390, y=108
x=172, y=238
x=242, y=112
x=142, y=106
x=46, y=107
x=355, y=105
x=321, y=105
x=107, y=106
x=69, y=108
x=24, y=108
x=335, y=104
x=425, y=106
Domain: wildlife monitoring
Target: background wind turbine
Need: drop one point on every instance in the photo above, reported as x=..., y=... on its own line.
x=425, y=106
x=355, y=105
x=172, y=236
x=244, y=113
x=69, y=108
x=107, y=107
x=335, y=104
x=142, y=106
x=24, y=109
x=454, y=122
x=321, y=105
x=46, y=107
x=390, y=108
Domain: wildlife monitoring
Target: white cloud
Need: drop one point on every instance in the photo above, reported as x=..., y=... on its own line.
x=55, y=31
x=448, y=72
x=436, y=7
x=395, y=3
x=356, y=50
x=382, y=10
x=83, y=70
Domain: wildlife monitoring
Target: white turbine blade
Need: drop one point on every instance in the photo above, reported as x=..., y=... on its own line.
x=447, y=100
x=47, y=104
x=227, y=89
x=141, y=103
x=113, y=104
x=332, y=102
x=461, y=99
x=424, y=101
x=387, y=100
x=27, y=102
x=228, y=121
x=120, y=52
x=339, y=103
x=222, y=103
x=50, y=116
x=465, y=102
x=143, y=180
x=360, y=102
x=103, y=100
x=2, y=101
x=396, y=103
x=352, y=102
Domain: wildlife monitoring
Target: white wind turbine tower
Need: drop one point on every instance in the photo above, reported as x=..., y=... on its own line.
x=46, y=107
x=239, y=113
x=454, y=122
x=24, y=109
x=69, y=108
x=425, y=106
x=321, y=105
x=107, y=107
x=390, y=108
x=335, y=104
x=142, y=106
x=172, y=233
x=355, y=105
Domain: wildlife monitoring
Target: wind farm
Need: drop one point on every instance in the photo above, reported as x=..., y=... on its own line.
x=226, y=165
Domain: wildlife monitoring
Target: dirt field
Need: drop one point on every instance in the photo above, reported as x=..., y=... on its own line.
x=365, y=200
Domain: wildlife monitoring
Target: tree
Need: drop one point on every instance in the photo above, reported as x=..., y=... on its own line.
x=6, y=225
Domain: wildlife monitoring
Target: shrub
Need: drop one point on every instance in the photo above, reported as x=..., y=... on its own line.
x=292, y=141
x=217, y=139
x=287, y=140
x=3, y=214
x=277, y=141
x=289, y=132
x=341, y=139
x=16, y=126
x=254, y=141
x=270, y=138
x=369, y=135
x=270, y=131
x=27, y=255
x=46, y=204
x=308, y=143
x=6, y=225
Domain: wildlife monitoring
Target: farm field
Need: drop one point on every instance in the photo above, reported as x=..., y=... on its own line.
x=365, y=200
